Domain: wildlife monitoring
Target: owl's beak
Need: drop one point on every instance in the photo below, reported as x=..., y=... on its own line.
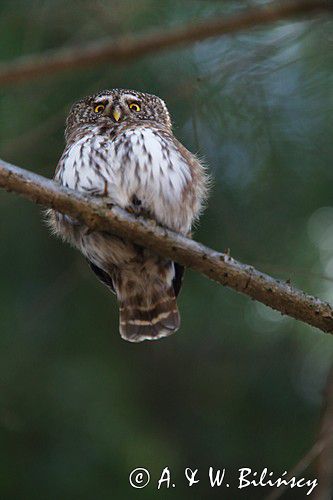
x=116, y=114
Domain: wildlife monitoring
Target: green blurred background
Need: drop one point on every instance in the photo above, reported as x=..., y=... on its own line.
x=239, y=385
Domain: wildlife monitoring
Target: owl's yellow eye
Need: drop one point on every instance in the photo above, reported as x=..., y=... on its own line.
x=134, y=106
x=99, y=108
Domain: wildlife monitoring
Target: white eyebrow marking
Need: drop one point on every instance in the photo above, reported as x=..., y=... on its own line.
x=131, y=96
x=102, y=98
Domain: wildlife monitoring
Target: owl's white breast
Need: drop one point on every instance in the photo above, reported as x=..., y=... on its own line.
x=85, y=164
x=138, y=161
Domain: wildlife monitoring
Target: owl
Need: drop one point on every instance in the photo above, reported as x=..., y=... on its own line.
x=120, y=147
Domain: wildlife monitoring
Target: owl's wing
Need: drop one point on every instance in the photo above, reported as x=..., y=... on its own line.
x=103, y=276
x=178, y=278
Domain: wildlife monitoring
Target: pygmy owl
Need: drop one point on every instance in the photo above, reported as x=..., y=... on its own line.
x=120, y=146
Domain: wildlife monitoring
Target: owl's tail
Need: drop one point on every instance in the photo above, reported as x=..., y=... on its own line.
x=146, y=313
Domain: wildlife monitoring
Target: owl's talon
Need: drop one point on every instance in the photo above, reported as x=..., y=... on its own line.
x=144, y=214
x=151, y=221
x=132, y=210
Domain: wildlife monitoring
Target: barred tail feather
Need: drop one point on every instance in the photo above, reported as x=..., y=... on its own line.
x=142, y=318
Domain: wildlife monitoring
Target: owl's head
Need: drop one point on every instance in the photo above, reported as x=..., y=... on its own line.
x=115, y=107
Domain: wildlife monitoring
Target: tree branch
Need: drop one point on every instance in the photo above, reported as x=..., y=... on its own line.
x=215, y=265
x=325, y=459
x=301, y=466
x=322, y=451
x=131, y=47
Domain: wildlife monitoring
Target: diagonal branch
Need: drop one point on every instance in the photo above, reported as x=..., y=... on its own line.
x=322, y=451
x=131, y=47
x=215, y=265
x=301, y=466
x=325, y=459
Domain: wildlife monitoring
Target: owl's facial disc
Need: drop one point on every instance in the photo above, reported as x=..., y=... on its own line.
x=117, y=106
